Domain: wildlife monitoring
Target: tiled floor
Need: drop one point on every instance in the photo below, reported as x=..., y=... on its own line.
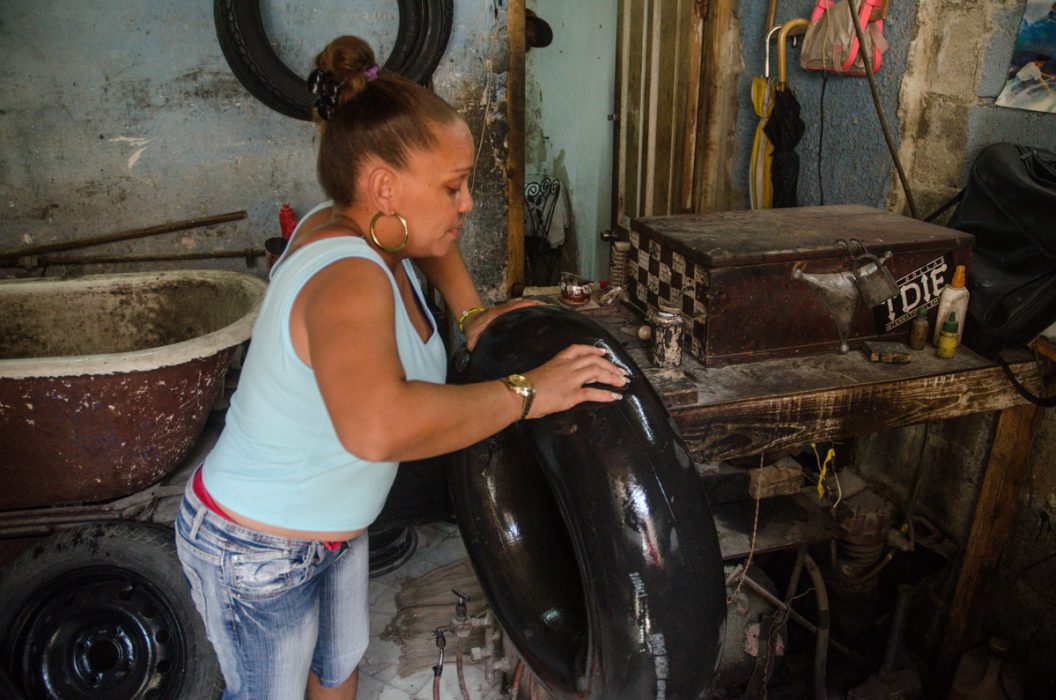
x=439, y=544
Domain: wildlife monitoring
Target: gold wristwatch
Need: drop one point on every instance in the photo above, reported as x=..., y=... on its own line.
x=522, y=386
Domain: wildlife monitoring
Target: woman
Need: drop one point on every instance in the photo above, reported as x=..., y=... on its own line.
x=344, y=379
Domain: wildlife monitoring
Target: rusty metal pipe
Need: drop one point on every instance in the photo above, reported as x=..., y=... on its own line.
x=124, y=235
x=49, y=260
x=44, y=521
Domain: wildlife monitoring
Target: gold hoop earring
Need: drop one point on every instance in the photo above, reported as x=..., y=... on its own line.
x=374, y=236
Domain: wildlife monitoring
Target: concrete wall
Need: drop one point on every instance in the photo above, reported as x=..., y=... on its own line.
x=945, y=66
x=125, y=114
x=569, y=96
x=841, y=124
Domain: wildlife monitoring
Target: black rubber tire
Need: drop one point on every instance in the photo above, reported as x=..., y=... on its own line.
x=424, y=29
x=104, y=611
x=589, y=529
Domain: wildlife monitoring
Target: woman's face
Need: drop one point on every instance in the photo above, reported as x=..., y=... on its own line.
x=434, y=192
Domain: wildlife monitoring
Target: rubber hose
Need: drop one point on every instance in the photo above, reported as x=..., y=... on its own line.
x=459, y=668
x=821, y=646
x=515, y=687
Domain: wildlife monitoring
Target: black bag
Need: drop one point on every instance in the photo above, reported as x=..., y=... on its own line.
x=1010, y=207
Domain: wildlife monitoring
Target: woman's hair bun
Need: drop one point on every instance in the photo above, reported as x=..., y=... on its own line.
x=347, y=59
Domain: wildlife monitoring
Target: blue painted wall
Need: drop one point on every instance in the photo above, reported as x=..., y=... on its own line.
x=125, y=114
x=569, y=92
x=855, y=165
x=842, y=126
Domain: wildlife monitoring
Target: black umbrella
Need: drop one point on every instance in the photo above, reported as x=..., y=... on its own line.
x=784, y=129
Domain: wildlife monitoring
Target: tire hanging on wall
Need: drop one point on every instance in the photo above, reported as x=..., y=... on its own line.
x=425, y=27
x=589, y=529
x=104, y=611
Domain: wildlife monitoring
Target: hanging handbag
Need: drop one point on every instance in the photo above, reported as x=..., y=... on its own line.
x=1009, y=205
x=831, y=43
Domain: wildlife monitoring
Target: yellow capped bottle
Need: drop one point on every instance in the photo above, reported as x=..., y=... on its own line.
x=948, y=338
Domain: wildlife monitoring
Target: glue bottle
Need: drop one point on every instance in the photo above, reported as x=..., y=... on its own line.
x=947, y=345
x=954, y=297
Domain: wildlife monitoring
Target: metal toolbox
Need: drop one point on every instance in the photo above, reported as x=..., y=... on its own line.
x=755, y=285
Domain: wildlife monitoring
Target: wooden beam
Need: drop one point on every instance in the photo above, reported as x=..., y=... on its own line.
x=515, y=116
x=619, y=118
x=720, y=68
x=693, y=107
x=1005, y=473
x=738, y=428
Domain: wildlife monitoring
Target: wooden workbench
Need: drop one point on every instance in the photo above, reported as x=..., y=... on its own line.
x=748, y=409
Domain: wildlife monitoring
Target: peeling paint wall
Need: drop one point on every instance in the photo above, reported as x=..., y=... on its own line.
x=569, y=89
x=126, y=115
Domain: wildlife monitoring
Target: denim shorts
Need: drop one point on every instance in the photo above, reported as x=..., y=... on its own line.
x=274, y=608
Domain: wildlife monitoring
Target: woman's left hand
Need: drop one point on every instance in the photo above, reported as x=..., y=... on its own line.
x=474, y=324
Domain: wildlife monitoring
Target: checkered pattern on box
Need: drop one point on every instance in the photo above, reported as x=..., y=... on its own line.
x=656, y=273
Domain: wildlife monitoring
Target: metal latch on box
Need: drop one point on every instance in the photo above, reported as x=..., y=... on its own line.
x=867, y=278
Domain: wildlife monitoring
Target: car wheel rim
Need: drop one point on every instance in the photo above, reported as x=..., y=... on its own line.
x=100, y=632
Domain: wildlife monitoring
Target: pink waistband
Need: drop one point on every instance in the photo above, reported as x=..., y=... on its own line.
x=198, y=486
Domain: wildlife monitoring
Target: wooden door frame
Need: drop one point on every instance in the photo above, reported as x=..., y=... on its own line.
x=515, y=155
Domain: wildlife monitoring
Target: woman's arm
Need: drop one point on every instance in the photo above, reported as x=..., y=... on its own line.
x=343, y=323
x=450, y=275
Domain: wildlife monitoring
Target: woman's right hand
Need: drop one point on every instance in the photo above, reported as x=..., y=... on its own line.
x=560, y=382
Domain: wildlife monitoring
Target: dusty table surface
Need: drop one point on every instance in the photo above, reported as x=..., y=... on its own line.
x=745, y=409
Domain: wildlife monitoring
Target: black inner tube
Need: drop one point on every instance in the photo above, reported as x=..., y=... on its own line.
x=424, y=30
x=589, y=529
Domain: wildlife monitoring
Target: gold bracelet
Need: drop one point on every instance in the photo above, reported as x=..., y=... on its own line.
x=466, y=314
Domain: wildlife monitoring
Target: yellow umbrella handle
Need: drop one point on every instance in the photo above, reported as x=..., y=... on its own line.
x=792, y=27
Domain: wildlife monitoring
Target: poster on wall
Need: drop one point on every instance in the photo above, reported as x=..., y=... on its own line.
x=1031, y=82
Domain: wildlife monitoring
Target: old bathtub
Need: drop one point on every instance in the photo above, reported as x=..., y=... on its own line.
x=106, y=381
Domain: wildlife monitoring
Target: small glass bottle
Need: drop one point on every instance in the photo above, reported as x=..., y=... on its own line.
x=667, y=336
x=947, y=346
x=918, y=330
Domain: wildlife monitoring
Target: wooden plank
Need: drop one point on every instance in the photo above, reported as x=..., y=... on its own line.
x=691, y=126
x=785, y=522
x=756, y=407
x=1005, y=473
x=1045, y=348
x=515, y=115
x=652, y=107
x=676, y=69
x=619, y=111
x=631, y=84
x=663, y=105
x=721, y=66
x=737, y=428
x=782, y=479
x=640, y=67
x=675, y=387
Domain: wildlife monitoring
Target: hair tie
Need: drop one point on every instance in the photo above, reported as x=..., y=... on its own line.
x=326, y=90
x=371, y=73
